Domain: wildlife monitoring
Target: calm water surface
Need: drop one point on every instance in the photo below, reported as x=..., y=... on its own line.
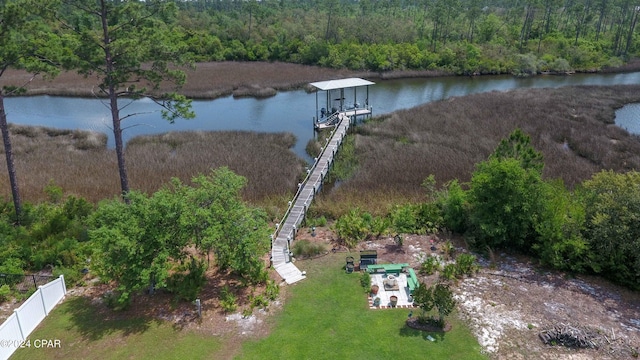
x=290, y=111
x=628, y=117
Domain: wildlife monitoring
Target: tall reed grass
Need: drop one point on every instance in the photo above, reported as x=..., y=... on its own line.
x=573, y=127
x=80, y=163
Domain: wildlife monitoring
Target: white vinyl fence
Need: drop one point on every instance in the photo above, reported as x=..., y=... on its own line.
x=16, y=329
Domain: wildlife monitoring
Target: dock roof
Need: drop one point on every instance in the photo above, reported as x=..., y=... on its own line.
x=341, y=83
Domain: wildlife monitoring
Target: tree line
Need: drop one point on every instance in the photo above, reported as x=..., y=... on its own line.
x=460, y=36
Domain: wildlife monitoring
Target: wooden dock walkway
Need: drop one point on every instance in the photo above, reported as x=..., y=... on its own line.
x=283, y=237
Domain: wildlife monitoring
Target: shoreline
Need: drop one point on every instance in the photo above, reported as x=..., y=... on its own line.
x=213, y=80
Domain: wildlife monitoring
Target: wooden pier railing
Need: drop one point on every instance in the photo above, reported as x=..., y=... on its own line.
x=285, y=232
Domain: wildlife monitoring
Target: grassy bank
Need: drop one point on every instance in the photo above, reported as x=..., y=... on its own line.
x=207, y=80
x=81, y=164
x=210, y=80
x=573, y=127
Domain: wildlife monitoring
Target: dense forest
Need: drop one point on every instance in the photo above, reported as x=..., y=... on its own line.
x=460, y=36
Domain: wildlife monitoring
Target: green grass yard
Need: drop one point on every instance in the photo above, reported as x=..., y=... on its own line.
x=324, y=317
x=86, y=333
x=327, y=317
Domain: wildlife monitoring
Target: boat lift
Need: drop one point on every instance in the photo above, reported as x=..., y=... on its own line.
x=336, y=109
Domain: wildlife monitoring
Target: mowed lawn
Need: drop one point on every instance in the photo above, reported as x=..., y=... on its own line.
x=86, y=333
x=325, y=316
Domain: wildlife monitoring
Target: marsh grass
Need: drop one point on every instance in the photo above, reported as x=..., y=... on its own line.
x=573, y=127
x=208, y=80
x=80, y=163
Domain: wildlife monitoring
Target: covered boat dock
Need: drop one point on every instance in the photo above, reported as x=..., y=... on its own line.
x=340, y=102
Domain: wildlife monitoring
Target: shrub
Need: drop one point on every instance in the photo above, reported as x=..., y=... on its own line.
x=313, y=148
x=12, y=266
x=272, y=290
x=305, y=248
x=379, y=226
x=353, y=227
x=247, y=312
x=429, y=218
x=449, y=272
x=188, y=281
x=72, y=275
x=430, y=265
x=318, y=221
x=448, y=249
x=228, y=300
x=365, y=281
x=404, y=219
x=258, y=301
x=466, y=265
x=5, y=292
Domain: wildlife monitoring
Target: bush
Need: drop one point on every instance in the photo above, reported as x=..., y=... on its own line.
x=379, y=226
x=188, y=281
x=5, y=293
x=72, y=275
x=313, y=148
x=353, y=227
x=365, y=281
x=12, y=266
x=272, y=290
x=319, y=221
x=305, y=248
x=448, y=249
x=466, y=265
x=430, y=265
x=429, y=218
x=404, y=219
x=228, y=300
x=258, y=301
x=449, y=272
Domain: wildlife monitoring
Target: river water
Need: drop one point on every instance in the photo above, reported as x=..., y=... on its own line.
x=290, y=111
